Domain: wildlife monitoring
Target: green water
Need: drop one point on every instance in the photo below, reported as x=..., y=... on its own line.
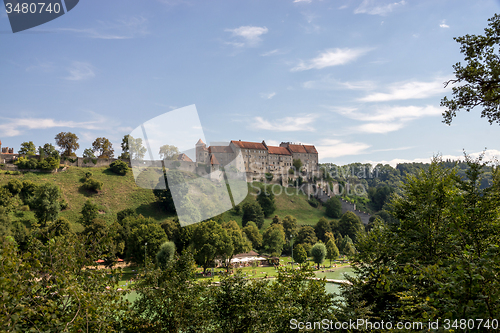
x=338, y=274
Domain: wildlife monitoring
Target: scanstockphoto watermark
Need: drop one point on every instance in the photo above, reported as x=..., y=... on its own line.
x=338, y=189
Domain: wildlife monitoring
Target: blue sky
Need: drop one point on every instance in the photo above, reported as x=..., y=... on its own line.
x=362, y=80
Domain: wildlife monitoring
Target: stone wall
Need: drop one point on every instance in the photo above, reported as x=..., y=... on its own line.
x=350, y=207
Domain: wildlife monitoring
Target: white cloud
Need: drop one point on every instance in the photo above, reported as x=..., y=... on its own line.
x=443, y=24
x=273, y=52
x=251, y=35
x=287, y=124
x=15, y=126
x=268, y=95
x=330, y=148
x=330, y=57
x=80, y=71
x=379, y=128
x=408, y=90
x=306, y=1
x=373, y=7
x=120, y=29
x=330, y=83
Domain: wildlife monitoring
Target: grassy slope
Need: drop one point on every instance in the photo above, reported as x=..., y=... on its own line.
x=121, y=192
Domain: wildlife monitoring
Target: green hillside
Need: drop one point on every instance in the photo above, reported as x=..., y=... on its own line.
x=121, y=192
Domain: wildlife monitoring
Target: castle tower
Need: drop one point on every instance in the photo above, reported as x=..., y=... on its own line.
x=201, y=152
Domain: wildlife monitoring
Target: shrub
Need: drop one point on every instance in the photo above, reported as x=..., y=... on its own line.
x=7, y=172
x=2, y=165
x=119, y=167
x=269, y=176
x=92, y=185
x=15, y=186
x=64, y=204
x=88, y=175
x=313, y=202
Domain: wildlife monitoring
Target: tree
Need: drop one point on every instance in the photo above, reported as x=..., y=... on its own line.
x=104, y=147
x=142, y=230
x=165, y=254
x=89, y=212
x=267, y=202
x=48, y=150
x=169, y=152
x=240, y=242
x=299, y=254
x=297, y=164
x=333, y=207
x=68, y=143
x=274, y=239
x=321, y=228
x=318, y=252
x=332, y=252
x=350, y=225
x=252, y=212
x=136, y=149
x=27, y=148
x=88, y=153
x=119, y=167
x=15, y=186
x=479, y=79
x=307, y=235
x=290, y=227
x=210, y=241
x=46, y=203
x=125, y=148
x=252, y=232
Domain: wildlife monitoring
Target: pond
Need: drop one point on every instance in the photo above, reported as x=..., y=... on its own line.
x=337, y=274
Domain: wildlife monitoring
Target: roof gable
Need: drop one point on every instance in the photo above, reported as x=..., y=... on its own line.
x=249, y=145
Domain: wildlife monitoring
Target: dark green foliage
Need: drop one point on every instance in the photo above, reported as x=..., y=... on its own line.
x=290, y=227
x=126, y=213
x=15, y=186
x=92, y=184
x=350, y=225
x=252, y=232
x=141, y=230
x=269, y=176
x=297, y=164
x=27, y=148
x=379, y=196
x=267, y=202
x=273, y=240
x=64, y=204
x=478, y=79
x=89, y=212
x=210, y=241
x=333, y=207
x=332, y=252
x=313, y=202
x=321, y=228
x=46, y=204
x=252, y=212
x=165, y=254
x=119, y=167
x=299, y=254
x=68, y=142
x=26, y=163
x=6, y=199
x=28, y=191
x=88, y=174
x=318, y=252
x=307, y=235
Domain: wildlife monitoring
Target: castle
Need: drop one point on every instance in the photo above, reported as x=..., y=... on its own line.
x=258, y=158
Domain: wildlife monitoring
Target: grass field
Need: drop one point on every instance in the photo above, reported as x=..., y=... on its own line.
x=121, y=192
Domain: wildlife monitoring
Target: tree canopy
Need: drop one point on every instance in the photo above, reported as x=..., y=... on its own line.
x=68, y=142
x=103, y=147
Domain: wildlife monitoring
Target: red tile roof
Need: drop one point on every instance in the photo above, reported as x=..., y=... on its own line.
x=214, y=161
x=184, y=157
x=220, y=149
x=200, y=142
x=297, y=149
x=311, y=149
x=249, y=145
x=278, y=150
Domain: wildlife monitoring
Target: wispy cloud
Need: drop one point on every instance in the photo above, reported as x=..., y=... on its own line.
x=443, y=24
x=273, y=52
x=330, y=57
x=306, y=1
x=120, y=29
x=287, y=124
x=41, y=66
x=373, y=7
x=15, y=126
x=267, y=95
x=329, y=83
x=408, y=90
x=249, y=35
x=80, y=71
x=330, y=148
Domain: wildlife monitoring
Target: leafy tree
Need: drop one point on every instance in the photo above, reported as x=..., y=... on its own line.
x=478, y=79
x=119, y=167
x=125, y=148
x=350, y=225
x=297, y=164
x=274, y=239
x=290, y=227
x=318, y=253
x=104, y=147
x=379, y=196
x=299, y=254
x=142, y=230
x=266, y=202
x=28, y=191
x=306, y=234
x=332, y=252
x=136, y=149
x=89, y=212
x=307, y=247
x=121, y=215
x=60, y=227
x=48, y=150
x=210, y=241
x=333, y=207
x=15, y=186
x=88, y=153
x=169, y=152
x=252, y=212
x=46, y=203
x=321, y=228
x=239, y=240
x=172, y=229
x=27, y=148
x=252, y=232
x=68, y=142
x=165, y=254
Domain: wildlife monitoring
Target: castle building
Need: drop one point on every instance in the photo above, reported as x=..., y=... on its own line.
x=258, y=157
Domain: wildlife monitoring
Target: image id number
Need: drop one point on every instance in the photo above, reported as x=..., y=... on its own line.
x=33, y=8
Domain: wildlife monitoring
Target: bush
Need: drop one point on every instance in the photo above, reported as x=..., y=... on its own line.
x=2, y=165
x=333, y=207
x=119, y=167
x=313, y=202
x=64, y=204
x=15, y=186
x=92, y=185
x=7, y=172
x=269, y=176
x=26, y=163
x=88, y=175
